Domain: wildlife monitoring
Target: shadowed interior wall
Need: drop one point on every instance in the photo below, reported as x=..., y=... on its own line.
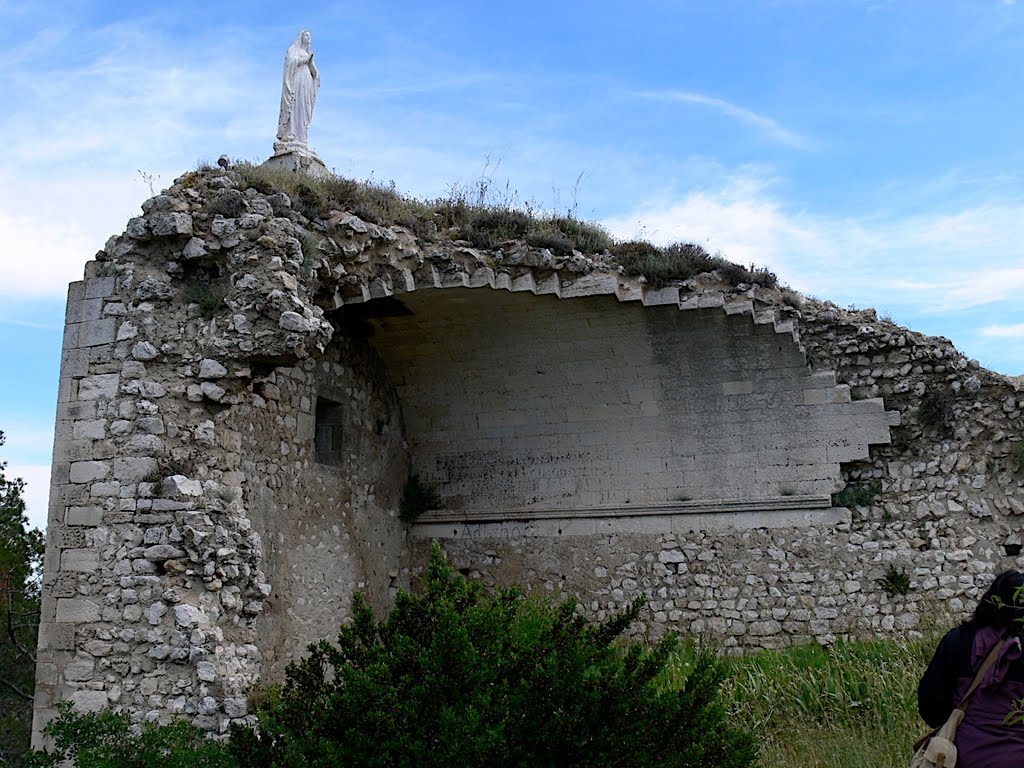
x=327, y=514
x=536, y=402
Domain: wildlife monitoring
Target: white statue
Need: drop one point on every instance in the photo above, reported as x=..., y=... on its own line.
x=299, y=85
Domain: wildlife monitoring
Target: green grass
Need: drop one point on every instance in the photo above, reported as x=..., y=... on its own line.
x=852, y=705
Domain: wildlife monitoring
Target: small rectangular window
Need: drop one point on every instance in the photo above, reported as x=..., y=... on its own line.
x=328, y=432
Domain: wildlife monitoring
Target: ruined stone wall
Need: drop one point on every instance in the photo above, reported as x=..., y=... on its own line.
x=242, y=399
x=944, y=511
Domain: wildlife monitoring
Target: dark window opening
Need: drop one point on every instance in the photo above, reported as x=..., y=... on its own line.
x=329, y=432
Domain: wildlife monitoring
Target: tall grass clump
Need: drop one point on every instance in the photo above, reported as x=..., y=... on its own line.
x=850, y=705
x=681, y=261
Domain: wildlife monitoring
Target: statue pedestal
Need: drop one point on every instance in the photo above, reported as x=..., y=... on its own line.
x=297, y=160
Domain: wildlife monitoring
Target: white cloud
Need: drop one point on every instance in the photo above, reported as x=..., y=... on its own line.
x=1004, y=331
x=764, y=123
x=935, y=262
x=53, y=226
x=37, y=490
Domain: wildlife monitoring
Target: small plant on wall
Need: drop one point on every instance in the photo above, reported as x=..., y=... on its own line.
x=936, y=411
x=417, y=498
x=896, y=581
x=857, y=494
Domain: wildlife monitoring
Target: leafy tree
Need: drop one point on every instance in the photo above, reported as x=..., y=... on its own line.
x=460, y=677
x=21, y=557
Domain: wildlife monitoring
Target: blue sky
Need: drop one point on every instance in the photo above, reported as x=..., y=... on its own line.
x=869, y=152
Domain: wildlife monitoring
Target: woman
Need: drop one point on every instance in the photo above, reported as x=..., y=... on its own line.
x=982, y=740
x=298, y=92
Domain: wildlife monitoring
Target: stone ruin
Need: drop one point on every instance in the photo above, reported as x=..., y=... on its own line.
x=245, y=394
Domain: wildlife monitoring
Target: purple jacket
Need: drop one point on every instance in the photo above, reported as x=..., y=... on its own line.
x=982, y=740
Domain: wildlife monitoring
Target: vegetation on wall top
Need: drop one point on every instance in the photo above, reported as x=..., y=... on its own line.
x=487, y=220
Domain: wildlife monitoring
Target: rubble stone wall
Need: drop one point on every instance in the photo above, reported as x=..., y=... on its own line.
x=241, y=405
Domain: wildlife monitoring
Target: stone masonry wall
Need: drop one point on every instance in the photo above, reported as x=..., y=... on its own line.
x=233, y=437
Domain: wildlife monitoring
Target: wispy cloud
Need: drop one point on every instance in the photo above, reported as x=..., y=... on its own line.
x=772, y=128
x=1004, y=331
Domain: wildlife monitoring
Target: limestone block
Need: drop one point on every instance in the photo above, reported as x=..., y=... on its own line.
x=100, y=387
x=132, y=470
x=86, y=516
x=93, y=333
x=186, y=615
x=210, y=390
x=293, y=321
x=177, y=486
x=84, y=311
x=89, y=471
x=99, y=287
x=160, y=552
x=212, y=369
x=194, y=249
x=86, y=560
x=144, y=351
x=95, y=429
x=88, y=701
x=77, y=610
x=80, y=669
x=57, y=637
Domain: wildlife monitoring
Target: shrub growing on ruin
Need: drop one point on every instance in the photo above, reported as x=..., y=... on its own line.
x=935, y=411
x=896, y=581
x=461, y=677
x=857, y=494
x=107, y=740
x=681, y=261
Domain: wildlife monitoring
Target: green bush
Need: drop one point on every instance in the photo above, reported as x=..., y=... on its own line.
x=459, y=677
x=896, y=581
x=107, y=740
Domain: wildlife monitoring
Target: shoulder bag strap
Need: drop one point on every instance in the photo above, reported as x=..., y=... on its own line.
x=985, y=666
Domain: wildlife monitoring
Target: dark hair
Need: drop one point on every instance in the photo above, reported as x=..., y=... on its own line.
x=999, y=606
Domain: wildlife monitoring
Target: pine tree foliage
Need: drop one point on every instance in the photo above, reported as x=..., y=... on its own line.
x=21, y=557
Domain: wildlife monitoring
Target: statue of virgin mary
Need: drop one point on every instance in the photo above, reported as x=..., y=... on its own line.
x=299, y=85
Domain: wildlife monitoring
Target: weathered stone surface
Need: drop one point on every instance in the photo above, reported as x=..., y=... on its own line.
x=170, y=224
x=144, y=351
x=179, y=485
x=211, y=369
x=161, y=552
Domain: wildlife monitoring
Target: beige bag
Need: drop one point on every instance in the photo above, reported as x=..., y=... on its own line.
x=936, y=749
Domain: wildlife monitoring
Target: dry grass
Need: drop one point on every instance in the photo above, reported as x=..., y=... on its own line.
x=487, y=218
